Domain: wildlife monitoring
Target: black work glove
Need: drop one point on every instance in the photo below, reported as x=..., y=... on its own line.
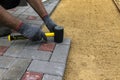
x=49, y=23
x=33, y=32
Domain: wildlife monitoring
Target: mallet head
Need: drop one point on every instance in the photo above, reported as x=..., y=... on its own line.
x=59, y=34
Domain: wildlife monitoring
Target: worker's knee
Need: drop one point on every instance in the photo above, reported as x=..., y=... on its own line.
x=9, y=4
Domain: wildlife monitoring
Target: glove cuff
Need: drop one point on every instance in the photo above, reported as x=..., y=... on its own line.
x=19, y=26
x=45, y=16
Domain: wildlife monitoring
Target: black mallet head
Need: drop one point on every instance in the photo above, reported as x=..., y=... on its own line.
x=59, y=34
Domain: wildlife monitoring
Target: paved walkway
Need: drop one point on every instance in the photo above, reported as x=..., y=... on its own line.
x=26, y=60
x=94, y=26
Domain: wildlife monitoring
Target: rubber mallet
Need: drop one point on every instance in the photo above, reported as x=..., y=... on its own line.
x=58, y=35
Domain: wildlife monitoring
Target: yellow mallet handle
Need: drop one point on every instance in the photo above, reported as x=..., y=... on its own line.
x=21, y=37
x=50, y=34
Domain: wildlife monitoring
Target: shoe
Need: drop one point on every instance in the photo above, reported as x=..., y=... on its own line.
x=4, y=31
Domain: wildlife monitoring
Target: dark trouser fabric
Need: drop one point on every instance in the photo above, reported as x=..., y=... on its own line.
x=9, y=4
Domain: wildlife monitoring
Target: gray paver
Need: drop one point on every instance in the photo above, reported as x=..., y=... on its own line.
x=17, y=70
x=66, y=41
x=35, y=54
x=50, y=39
x=5, y=62
x=10, y=11
x=2, y=72
x=30, y=12
x=5, y=42
x=33, y=45
x=34, y=22
x=20, y=10
x=38, y=20
x=47, y=67
x=51, y=77
x=60, y=53
x=20, y=43
x=13, y=51
x=22, y=17
x=50, y=6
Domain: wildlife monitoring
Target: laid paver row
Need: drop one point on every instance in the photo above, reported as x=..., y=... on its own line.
x=39, y=64
x=17, y=68
x=21, y=49
x=24, y=13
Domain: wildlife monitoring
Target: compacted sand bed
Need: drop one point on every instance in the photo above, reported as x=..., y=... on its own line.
x=94, y=27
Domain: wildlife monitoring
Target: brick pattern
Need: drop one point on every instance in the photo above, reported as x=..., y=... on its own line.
x=16, y=70
x=27, y=60
x=47, y=67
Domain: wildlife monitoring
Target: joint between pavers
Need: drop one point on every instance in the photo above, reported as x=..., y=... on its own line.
x=23, y=11
x=26, y=69
x=51, y=54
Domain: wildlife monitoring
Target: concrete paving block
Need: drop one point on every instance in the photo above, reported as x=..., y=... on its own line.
x=2, y=72
x=30, y=12
x=19, y=43
x=50, y=39
x=13, y=51
x=3, y=49
x=35, y=54
x=34, y=22
x=66, y=41
x=22, y=17
x=51, y=77
x=50, y=6
x=5, y=62
x=11, y=12
x=47, y=67
x=16, y=71
x=20, y=10
x=60, y=53
x=25, y=19
x=32, y=45
x=15, y=15
x=5, y=42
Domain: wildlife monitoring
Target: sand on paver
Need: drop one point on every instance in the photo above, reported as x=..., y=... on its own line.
x=94, y=27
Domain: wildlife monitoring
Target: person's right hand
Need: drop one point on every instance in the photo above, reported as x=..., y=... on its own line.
x=33, y=33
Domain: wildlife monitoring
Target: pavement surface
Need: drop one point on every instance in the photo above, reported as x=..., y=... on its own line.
x=94, y=27
x=27, y=60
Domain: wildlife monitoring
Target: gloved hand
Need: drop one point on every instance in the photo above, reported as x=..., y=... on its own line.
x=33, y=33
x=49, y=23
